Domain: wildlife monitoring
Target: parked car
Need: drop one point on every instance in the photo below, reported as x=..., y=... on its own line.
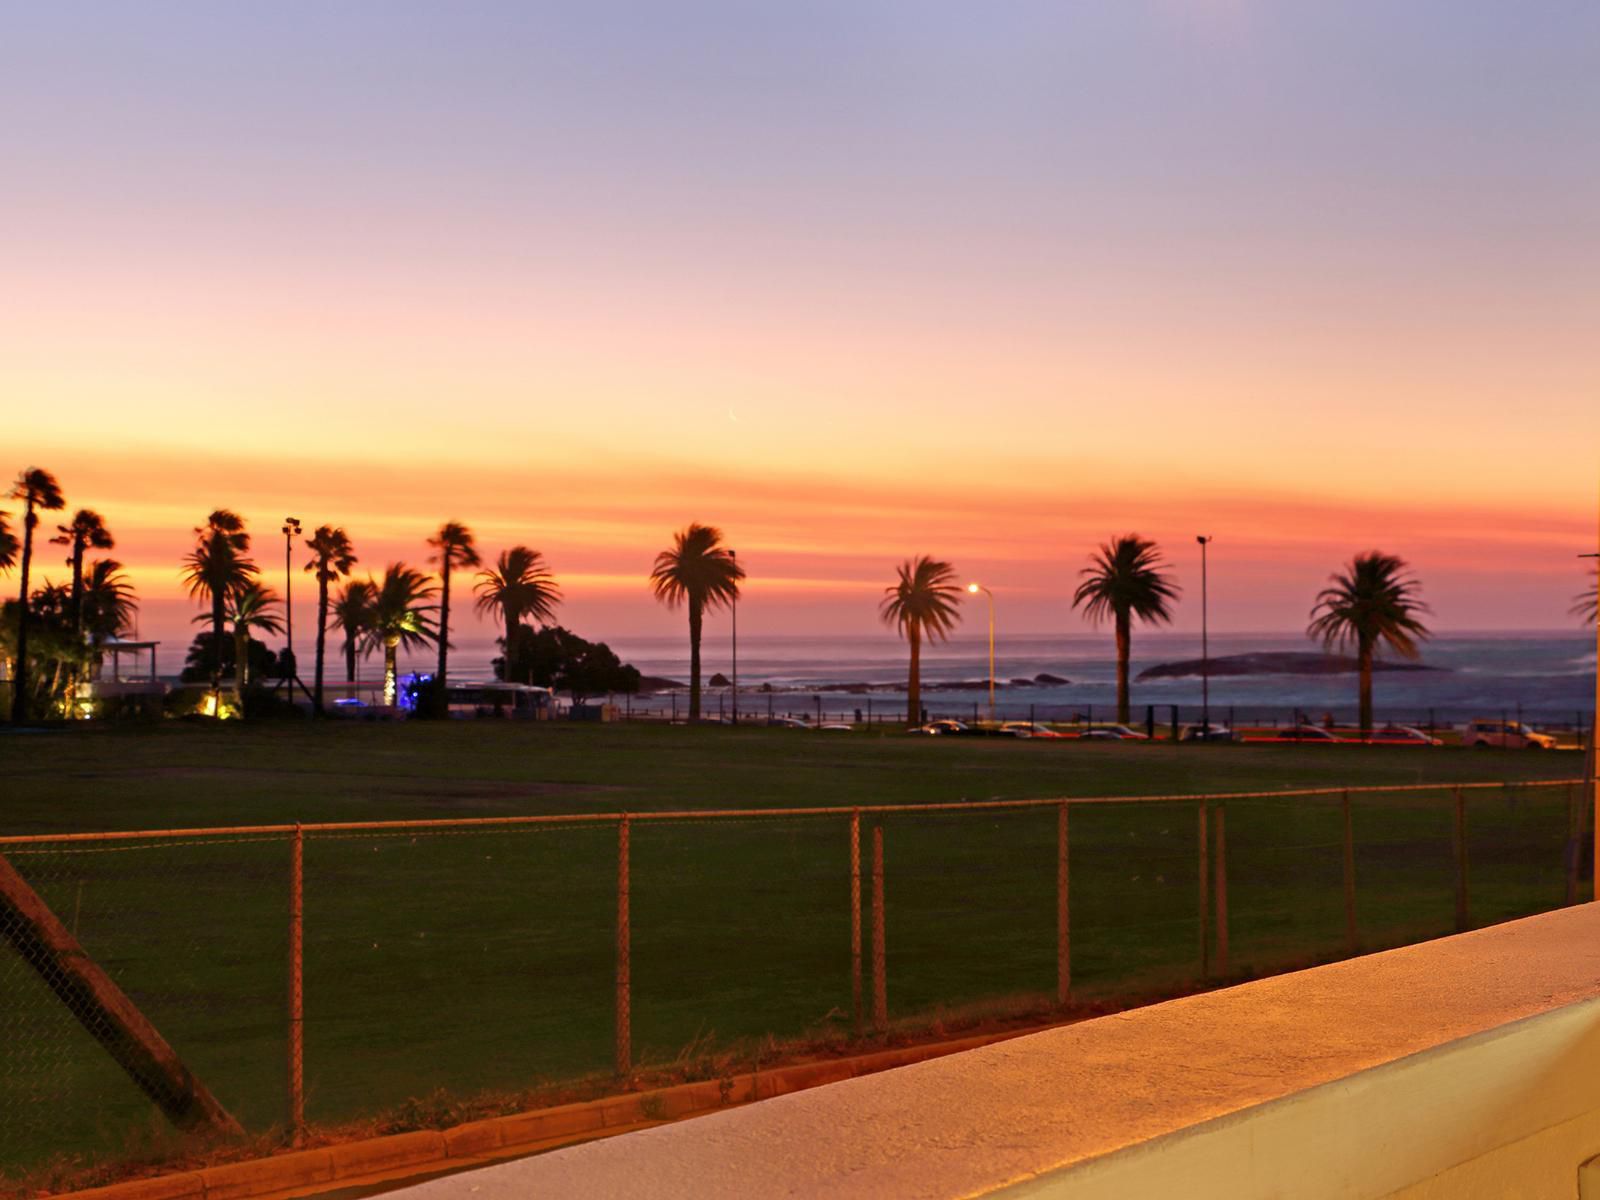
x=944, y=728
x=1306, y=733
x=785, y=723
x=836, y=727
x=1028, y=729
x=1207, y=733
x=1509, y=734
x=1404, y=735
x=1111, y=733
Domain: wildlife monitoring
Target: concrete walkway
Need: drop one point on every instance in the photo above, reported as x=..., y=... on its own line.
x=1362, y=1078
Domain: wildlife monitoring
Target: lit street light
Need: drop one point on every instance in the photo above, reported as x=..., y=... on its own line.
x=975, y=588
x=1205, y=649
x=291, y=530
x=732, y=555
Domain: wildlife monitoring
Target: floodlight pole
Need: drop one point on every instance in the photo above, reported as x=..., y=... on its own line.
x=1205, y=648
x=291, y=530
x=978, y=587
x=1594, y=730
x=735, y=606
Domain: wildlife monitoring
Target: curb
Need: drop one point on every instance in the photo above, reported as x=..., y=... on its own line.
x=403, y=1155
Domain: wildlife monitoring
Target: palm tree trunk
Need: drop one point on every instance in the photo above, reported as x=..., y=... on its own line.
x=1366, y=689
x=1124, y=637
x=441, y=701
x=216, y=640
x=322, y=639
x=511, y=636
x=241, y=652
x=19, y=677
x=914, y=679
x=77, y=605
x=350, y=660
x=389, y=684
x=695, y=620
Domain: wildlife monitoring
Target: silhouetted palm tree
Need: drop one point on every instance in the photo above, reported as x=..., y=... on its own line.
x=398, y=617
x=703, y=574
x=518, y=585
x=352, y=613
x=9, y=546
x=1373, y=601
x=108, y=602
x=1584, y=605
x=250, y=609
x=216, y=567
x=453, y=547
x=87, y=531
x=1126, y=578
x=37, y=489
x=332, y=558
x=924, y=602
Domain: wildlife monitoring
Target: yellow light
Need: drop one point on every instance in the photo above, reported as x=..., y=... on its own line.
x=973, y=588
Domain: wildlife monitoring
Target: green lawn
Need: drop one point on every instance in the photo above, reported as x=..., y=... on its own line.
x=484, y=959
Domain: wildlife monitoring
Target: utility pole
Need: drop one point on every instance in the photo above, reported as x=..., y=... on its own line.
x=291, y=530
x=1205, y=649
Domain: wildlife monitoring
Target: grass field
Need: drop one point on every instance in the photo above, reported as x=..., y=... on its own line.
x=484, y=960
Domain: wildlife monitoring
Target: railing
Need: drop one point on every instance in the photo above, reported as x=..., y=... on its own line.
x=330, y=973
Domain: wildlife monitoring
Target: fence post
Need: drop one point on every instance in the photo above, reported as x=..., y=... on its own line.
x=1463, y=905
x=624, y=955
x=1222, y=887
x=880, y=983
x=1351, y=940
x=855, y=919
x=1205, y=896
x=1063, y=925
x=297, y=1046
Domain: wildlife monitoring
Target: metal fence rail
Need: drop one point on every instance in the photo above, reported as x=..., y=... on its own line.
x=328, y=973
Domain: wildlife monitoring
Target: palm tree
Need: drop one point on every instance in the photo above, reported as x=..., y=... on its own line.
x=250, y=609
x=108, y=602
x=453, y=546
x=518, y=585
x=37, y=489
x=1584, y=604
x=214, y=569
x=1374, y=600
x=352, y=613
x=1126, y=578
x=398, y=617
x=702, y=573
x=333, y=556
x=8, y=543
x=87, y=531
x=923, y=602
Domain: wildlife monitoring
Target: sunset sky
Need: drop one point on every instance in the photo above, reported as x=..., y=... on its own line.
x=851, y=281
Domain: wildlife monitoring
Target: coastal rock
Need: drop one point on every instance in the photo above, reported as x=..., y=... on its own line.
x=1045, y=679
x=719, y=680
x=1274, y=662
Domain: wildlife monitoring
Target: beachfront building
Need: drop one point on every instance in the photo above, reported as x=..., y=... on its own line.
x=124, y=682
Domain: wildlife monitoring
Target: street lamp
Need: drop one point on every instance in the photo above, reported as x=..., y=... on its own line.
x=1205, y=649
x=1594, y=735
x=735, y=606
x=975, y=588
x=291, y=530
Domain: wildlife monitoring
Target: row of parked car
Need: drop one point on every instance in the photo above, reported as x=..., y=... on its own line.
x=1481, y=733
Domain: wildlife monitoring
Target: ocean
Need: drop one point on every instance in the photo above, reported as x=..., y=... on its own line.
x=1548, y=678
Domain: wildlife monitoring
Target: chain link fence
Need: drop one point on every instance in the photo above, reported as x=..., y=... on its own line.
x=326, y=975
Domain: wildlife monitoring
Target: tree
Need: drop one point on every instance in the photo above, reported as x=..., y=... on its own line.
x=1125, y=579
x=216, y=567
x=700, y=573
x=398, y=617
x=1373, y=602
x=107, y=603
x=553, y=657
x=8, y=543
x=87, y=531
x=37, y=489
x=250, y=609
x=453, y=547
x=518, y=585
x=352, y=613
x=332, y=558
x=924, y=601
x=1584, y=605
x=56, y=656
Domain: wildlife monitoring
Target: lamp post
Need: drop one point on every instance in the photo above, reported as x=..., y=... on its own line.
x=1594, y=734
x=1205, y=648
x=735, y=606
x=291, y=530
x=975, y=588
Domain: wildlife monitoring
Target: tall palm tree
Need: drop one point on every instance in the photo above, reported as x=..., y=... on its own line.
x=1585, y=605
x=332, y=558
x=1126, y=578
x=453, y=547
x=37, y=489
x=216, y=567
x=702, y=574
x=923, y=602
x=1374, y=601
x=87, y=531
x=398, y=617
x=518, y=585
x=352, y=613
x=250, y=609
x=108, y=602
x=9, y=546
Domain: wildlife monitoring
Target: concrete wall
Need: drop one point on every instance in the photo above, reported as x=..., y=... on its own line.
x=1466, y=1067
